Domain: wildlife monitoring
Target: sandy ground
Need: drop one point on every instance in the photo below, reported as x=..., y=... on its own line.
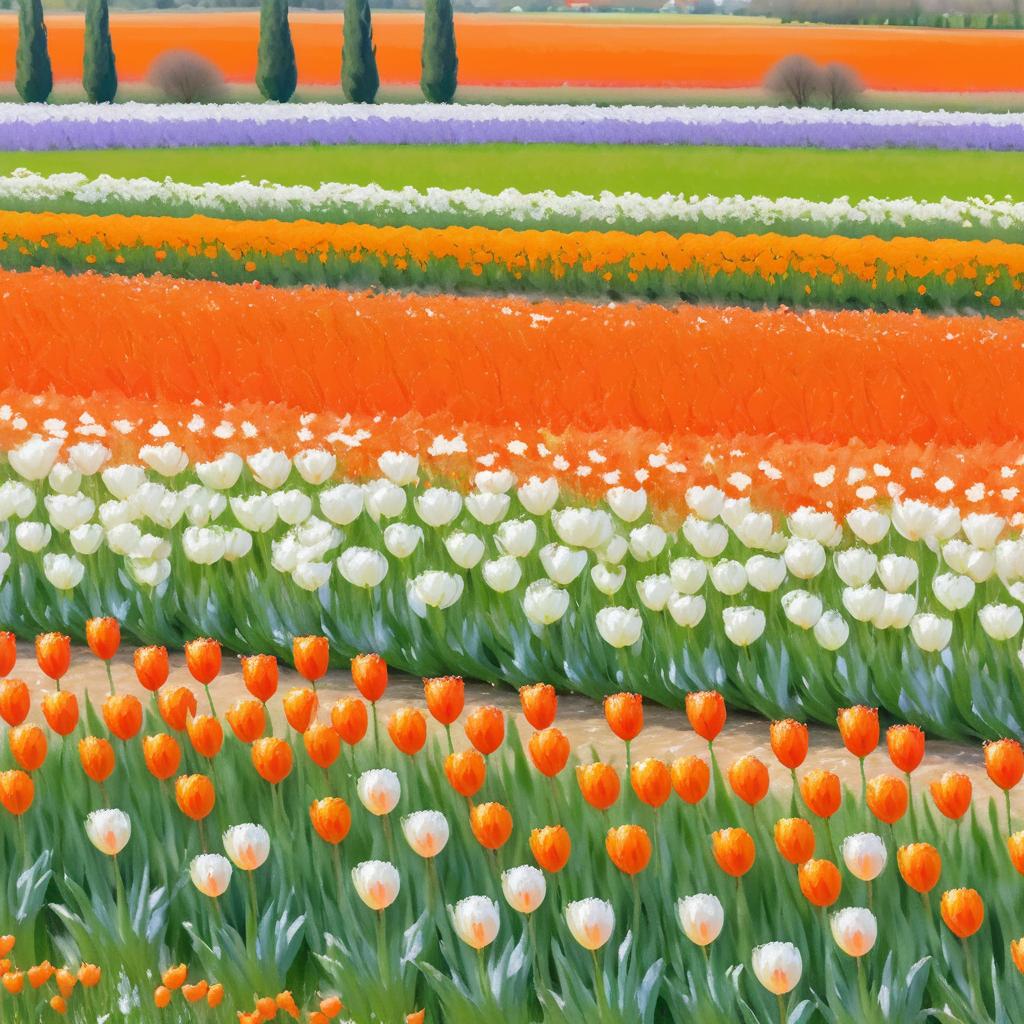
x=666, y=733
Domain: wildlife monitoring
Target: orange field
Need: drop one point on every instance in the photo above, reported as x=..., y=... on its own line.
x=499, y=50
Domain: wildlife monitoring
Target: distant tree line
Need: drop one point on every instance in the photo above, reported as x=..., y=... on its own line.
x=935, y=13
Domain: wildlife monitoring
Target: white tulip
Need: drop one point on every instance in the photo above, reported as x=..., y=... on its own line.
x=654, y=591
x=426, y=832
x=487, y=508
x=983, y=530
x=166, y=459
x=211, y=874
x=270, y=468
x=744, y=625
x=778, y=966
x=728, y=577
x=980, y=565
x=63, y=479
x=17, y=499
x=803, y=609
x=897, y=612
x=591, y=922
x=32, y=536
x=148, y=498
x=809, y=524
x=765, y=573
x=706, y=502
x=647, y=542
x=400, y=468
x=150, y=572
x=363, y=567
x=628, y=505
x=379, y=790
x=544, y=603
x=688, y=574
x=707, y=539
x=538, y=496
x=317, y=538
x=930, y=632
x=34, y=459
x=855, y=930
x=311, y=575
x=401, y=539
x=615, y=550
x=87, y=457
x=476, y=921
x=464, y=549
x=608, y=579
x=256, y=513
x=583, y=527
x=498, y=481
x=502, y=574
x=108, y=830
x=914, y=520
x=864, y=603
x=947, y=523
x=619, y=627
x=434, y=589
x=1001, y=621
x=957, y=554
x=438, y=506
x=855, y=566
x=149, y=546
x=516, y=537
x=315, y=465
x=524, y=888
x=203, y=506
x=202, y=545
x=383, y=499
x=687, y=609
x=87, y=538
x=897, y=573
x=67, y=511
x=123, y=481
x=237, y=544
x=342, y=503
x=248, y=846
x=376, y=883
x=831, y=631
x=868, y=526
x=805, y=557
x=702, y=917
x=562, y=564
x=755, y=529
x=123, y=538
x=734, y=511
x=292, y=507
x=952, y=591
x=1010, y=559
x=222, y=473
x=64, y=572
x=864, y=855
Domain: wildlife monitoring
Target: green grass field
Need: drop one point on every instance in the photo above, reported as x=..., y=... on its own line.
x=649, y=170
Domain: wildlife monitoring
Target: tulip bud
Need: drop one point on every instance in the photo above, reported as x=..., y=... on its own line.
x=211, y=874
x=376, y=883
x=379, y=790
x=108, y=830
x=476, y=921
x=524, y=888
x=702, y=917
x=591, y=922
x=248, y=846
x=777, y=966
x=855, y=930
x=426, y=832
x=864, y=855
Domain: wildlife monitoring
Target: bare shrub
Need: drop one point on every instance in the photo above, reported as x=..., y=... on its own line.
x=186, y=77
x=795, y=78
x=840, y=85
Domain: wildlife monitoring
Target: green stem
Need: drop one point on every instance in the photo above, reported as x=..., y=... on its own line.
x=602, y=1006
x=376, y=733
x=1009, y=820
x=382, y=952
x=485, y=986
x=253, y=922
x=977, y=1002
x=110, y=677
x=862, y=987
x=782, y=1009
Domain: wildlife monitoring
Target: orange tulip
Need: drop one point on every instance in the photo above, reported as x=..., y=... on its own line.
x=789, y=740
x=215, y=996
x=60, y=710
x=66, y=982
x=28, y=745
x=286, y=1002
x=691, y=778
x=859, y=728
x=963, y=911
x=415, y=1018
x=821, y=792
x=599, y=784
x=906, y=746
x=1015, y=844
x=794, y=839
x=123, y=715
x=323, y=745
x=6, y=944
x=652, y=781
x=1004, y=762
x=491, y=824
x=176, y=705
x=151, y=667
x=370, y=674
x=267, y=1007
x=248, y=719
x=624, y=713
x=195, y=796
x=920, y=865
x=174, y=977
x=272, y=759
x=629, y=848
x=706, y=713
x=8, y=653
x=17, y=791
x=887, y=798
x=539, y=703
x=103, y=635
x=408, y=730
x=89, y=975
x=161, y=754
x=259, y=673
x=206, y=734
x=820, y=882
x=349, y=719
x=14, y=982
x=549, y=751
x=53, y=653
x=485, y=728
x=311, y=655
x=14, y=701
x=300, y=707
x=331, y=818
x=58, y=1004
x=551, y=847
x=952, y=794
x=202, y=656
x=1017, y=952
x=331, y=1006
x=445, y=697
x=749, y=779
x=466, y=770
x=193, y=993
x=97, y=757
x=734, y=850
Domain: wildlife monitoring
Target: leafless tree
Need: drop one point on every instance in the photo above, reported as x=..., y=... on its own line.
x=840, y=85
x=186, y=77
x=795, y=78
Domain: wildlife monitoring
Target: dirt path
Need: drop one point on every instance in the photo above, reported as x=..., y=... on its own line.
x=666, y=732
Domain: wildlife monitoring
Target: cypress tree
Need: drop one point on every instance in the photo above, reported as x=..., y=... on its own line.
x=34, y=76
x=359, y=78
x=99, y=73
x=276, y=74
x=440, y=76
